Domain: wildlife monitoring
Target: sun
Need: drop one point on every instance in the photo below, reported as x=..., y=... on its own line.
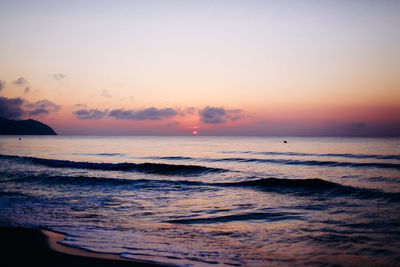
x=195, y=133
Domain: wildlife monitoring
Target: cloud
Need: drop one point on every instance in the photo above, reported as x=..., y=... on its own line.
x=11, y=108
x=219, y=115
x=38, y=111
x=27, y=90
x=2, y=85
x=58, y=76
x=172, y=124
x=144, y=114
x=80, y=105
x=15, y=108
x=188, y=111
x=91, y=114
x=105, y=94
x=234, y=114
x=40, y=107
x=20, y=81
x=358, y=125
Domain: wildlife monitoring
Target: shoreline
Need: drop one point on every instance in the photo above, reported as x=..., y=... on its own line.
x=40, y=247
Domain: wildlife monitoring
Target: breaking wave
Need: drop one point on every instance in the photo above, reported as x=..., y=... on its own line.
x=151, y=168
x=300, y=187
x=317, y=163
x=329, y=163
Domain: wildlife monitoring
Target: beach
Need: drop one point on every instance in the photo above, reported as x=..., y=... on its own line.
x=36, y=247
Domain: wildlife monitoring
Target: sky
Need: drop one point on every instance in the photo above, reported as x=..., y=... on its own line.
x=280, y=68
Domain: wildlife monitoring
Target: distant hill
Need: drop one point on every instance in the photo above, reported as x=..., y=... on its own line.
x=24, y=127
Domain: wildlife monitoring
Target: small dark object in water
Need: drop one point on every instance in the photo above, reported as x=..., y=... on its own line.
x=19, y=138
x=284, y=141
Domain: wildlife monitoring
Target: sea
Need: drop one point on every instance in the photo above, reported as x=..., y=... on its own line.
x=210, y=201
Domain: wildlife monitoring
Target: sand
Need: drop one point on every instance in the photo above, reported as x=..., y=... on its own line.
x=34, y=247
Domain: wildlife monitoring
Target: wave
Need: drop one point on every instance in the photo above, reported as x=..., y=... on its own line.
x=300, y=187
x=173, y=158
x=385, y=165
x=13, y=194
x=316, y=163
x=269, y=216
x=95, y=154
x=109, y=154
x=315, y=186
x=343, y=155
x=151, y=168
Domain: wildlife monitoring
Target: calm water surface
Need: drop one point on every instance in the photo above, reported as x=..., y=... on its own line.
x=198, y=201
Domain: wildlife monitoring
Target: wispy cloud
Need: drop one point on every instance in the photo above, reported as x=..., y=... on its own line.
x=58, y=76
x=80, y=105
x=219, y=115
x=144, y=114
x=27, y=90
x=40, y=107
x=172, y=124
x=2, y=85
x=187, y=111
x=20, y=81
x=90, y=114
x=105, y=94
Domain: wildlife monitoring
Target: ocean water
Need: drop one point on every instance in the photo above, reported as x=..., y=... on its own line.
x=205, y=201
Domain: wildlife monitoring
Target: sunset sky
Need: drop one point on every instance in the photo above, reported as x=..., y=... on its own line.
x=216, y=67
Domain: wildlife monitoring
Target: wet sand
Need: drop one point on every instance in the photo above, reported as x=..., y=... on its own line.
x=34, y=247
